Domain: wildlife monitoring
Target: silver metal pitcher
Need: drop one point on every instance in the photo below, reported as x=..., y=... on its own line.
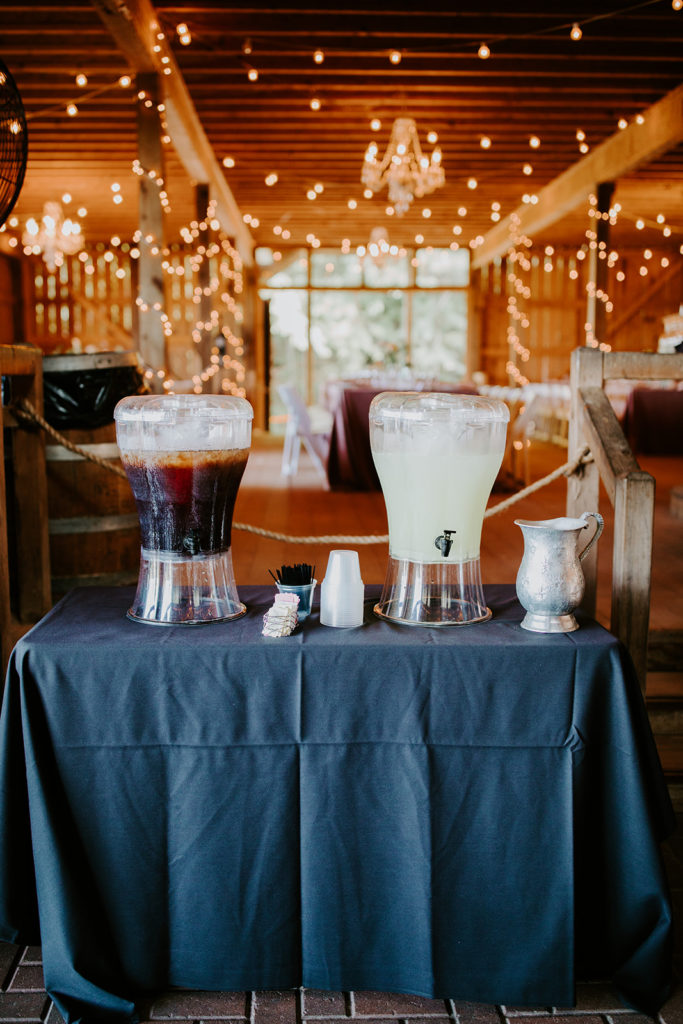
x=550, y=582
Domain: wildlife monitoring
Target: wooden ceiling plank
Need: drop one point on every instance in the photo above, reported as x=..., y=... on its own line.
x=135, y=35
x=618, y=155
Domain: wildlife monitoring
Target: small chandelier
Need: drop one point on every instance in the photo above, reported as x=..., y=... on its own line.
x=404, y=168
x=54, y=237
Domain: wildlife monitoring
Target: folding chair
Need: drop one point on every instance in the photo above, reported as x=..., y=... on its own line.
x=310, y=427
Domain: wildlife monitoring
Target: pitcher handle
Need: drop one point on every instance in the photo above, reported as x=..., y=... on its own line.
x=600, y=525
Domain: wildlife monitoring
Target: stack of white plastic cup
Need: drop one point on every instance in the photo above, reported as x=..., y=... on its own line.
x=341, y=592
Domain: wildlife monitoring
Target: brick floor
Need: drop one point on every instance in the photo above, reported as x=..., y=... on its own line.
x=23, y=999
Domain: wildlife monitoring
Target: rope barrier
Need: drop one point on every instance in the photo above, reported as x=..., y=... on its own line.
x=26, y=412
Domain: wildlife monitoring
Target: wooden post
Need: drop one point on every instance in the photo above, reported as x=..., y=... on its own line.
x=474, y=324
x=24, y=368
x=204, y=278
x=634, y=503
x=597, y=266
x=151, y=341
x=583, y=487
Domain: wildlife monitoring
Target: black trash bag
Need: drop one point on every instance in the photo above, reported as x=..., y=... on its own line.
x=85, y=399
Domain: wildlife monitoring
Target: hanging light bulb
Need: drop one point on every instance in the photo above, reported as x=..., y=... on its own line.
x=395, y=56
x=485, y=142
x=252, y=75
x=534, y=141
x=318, y=56
x=576, y=32
x=315, y=103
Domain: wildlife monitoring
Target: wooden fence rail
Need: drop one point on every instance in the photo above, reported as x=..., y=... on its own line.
x=630, y=490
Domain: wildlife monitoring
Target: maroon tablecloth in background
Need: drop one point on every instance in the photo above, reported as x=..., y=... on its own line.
x=653, y=421
x=349, y=463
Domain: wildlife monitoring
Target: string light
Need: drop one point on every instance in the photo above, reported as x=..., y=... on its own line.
x=534, y=141
x=252, y=75
x=375, y=124
x=81, y=80
x=71, y=109
x=315, y=103
x=483, y=52
x=472, y=183
x=485, y=142
x=395, y=56
x=318, y=56
x=183, y=33
x=228, y=161
x=576, y=32
x=622, y=123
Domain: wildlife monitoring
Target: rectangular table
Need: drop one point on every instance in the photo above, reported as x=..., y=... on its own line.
x=470, y=812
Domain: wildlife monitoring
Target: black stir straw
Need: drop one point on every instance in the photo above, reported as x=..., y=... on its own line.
x=298, y=575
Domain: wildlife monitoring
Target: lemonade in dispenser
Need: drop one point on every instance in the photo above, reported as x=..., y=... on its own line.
x=437, y=456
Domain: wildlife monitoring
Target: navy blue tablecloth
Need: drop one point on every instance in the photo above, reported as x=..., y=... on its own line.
x=470, y=812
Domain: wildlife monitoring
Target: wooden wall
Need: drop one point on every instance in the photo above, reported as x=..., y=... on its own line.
x=98, y=308
x=555, y=307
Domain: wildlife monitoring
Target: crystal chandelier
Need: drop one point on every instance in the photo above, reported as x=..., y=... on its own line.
x=54, y=237
x=404, y=168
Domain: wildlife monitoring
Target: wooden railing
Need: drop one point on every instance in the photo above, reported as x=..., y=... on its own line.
x=630, y=490
x=24, y=547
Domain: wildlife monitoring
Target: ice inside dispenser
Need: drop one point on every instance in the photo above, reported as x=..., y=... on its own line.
x=437, y=456
x=184, y=456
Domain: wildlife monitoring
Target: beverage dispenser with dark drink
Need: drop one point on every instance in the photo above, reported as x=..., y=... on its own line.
x=184, y=456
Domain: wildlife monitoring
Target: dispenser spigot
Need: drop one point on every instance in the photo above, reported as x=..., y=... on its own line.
x=444, y=542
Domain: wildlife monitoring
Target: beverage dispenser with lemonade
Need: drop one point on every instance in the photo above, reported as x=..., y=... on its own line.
x=437, y=456
x=184, y=456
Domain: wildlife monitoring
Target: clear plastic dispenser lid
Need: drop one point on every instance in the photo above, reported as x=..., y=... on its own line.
x=435, y=423
x=183, y=422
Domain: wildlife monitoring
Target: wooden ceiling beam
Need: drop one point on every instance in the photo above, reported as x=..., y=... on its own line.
x=616, y=156
x=135, y=33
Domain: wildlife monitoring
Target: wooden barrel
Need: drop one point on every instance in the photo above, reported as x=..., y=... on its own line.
x=93, y=523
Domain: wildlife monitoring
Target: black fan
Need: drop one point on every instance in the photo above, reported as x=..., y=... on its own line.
x=13, y=143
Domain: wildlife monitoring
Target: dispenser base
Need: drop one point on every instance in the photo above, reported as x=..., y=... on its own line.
x=432, y=593
x=176, y=590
